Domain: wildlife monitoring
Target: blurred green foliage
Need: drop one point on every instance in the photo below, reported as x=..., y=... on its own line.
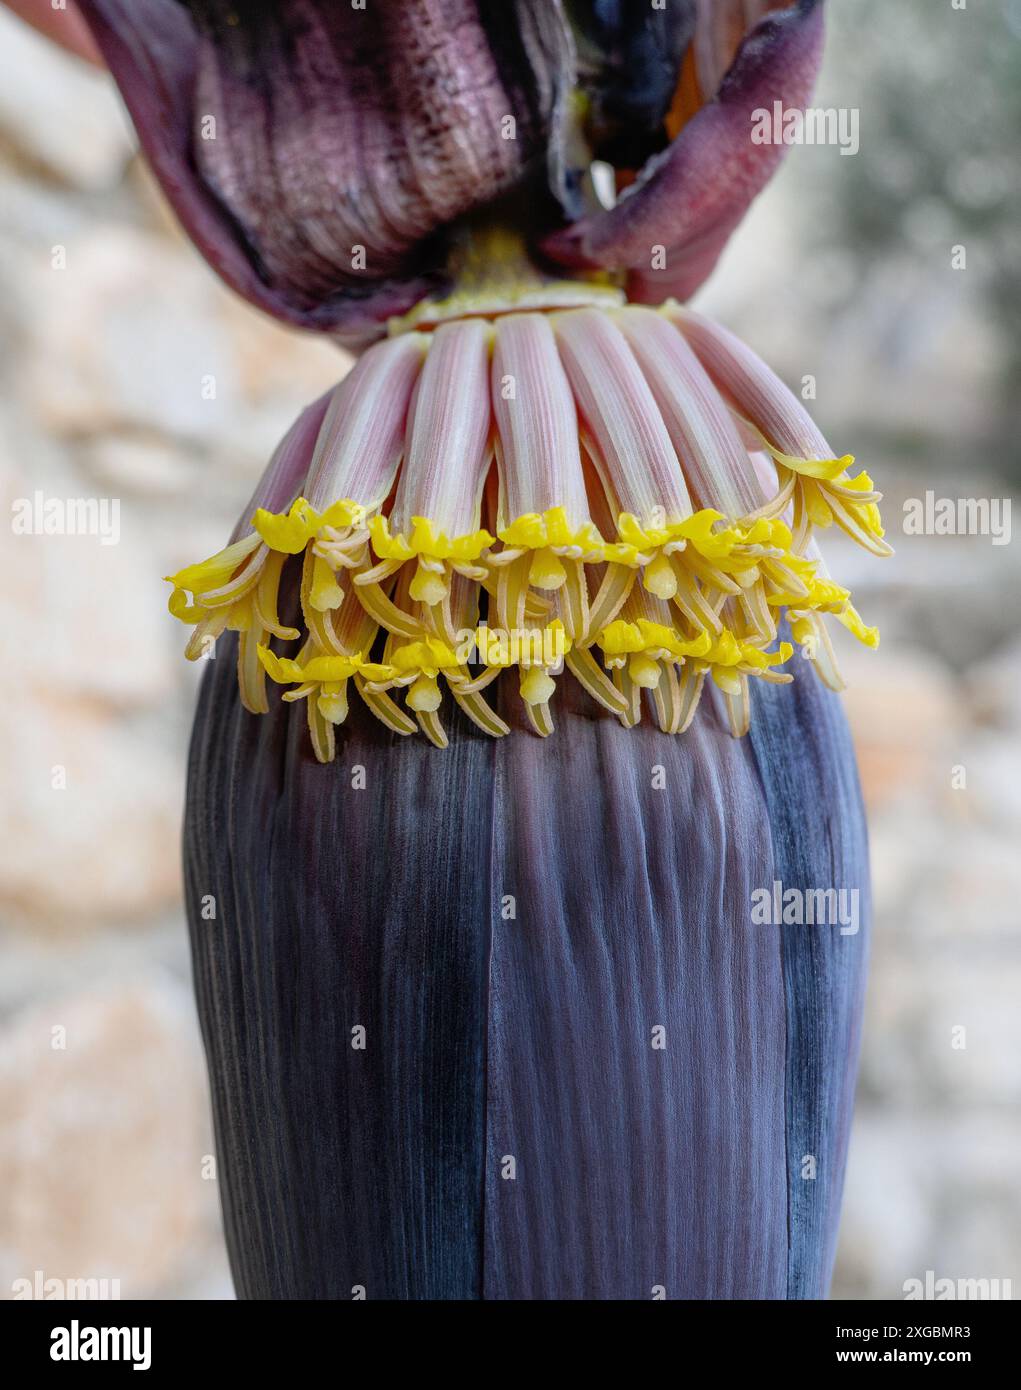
x=939, y=91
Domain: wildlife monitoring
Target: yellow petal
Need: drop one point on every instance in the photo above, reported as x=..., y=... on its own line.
x=537, y=686
x=424, y=695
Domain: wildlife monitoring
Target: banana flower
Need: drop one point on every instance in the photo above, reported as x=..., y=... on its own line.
x=534, y=694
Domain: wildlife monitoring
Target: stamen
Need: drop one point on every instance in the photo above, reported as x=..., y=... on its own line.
x=823, y=489
x=322, y=681
x=542, y=482
x=630, y=532
x=436, y=513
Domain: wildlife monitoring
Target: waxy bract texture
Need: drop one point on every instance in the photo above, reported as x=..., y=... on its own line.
x=379, y=900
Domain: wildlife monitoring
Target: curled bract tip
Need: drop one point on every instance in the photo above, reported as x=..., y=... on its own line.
x=326, y=157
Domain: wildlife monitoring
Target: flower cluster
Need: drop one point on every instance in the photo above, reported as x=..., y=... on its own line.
x=626, y=493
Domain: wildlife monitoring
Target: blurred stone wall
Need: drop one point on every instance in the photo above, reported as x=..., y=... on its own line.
x=130, y=375
x=105, y=391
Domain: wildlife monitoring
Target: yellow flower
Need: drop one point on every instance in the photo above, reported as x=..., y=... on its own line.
x=234, y=590
x=594, y=479
x=290, y=531
x=436, y=553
